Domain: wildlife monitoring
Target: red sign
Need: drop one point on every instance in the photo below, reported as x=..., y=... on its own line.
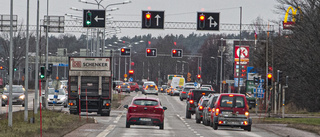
x=1, y=81
x=244, y=51
x=288, y=25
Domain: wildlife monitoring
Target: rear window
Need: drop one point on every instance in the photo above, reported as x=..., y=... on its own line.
x=236, y=101
x=199, y=94
x=151, y=87
x=146, y=102
x=187, y=89
x=204, y=102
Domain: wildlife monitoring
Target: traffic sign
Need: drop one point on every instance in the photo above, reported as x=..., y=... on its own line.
x=152, y=19
x=125, y=75
x=176, y=53
x=151, y=52
x=94, y=18
x=208, y=21
x=195, y=84
x=130, y=79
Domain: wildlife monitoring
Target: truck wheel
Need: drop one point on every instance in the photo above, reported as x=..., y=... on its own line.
x=215, y=126
x=105, y=114
x=248, y=128
x=22, y=105
x=161, y=126
x=188, y=114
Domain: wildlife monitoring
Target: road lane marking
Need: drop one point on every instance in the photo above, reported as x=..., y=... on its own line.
x=171, y=104
x=118, y=117
x=106, y=131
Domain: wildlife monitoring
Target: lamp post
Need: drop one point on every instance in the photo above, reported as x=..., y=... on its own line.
x=222, y=48
x=216, y=58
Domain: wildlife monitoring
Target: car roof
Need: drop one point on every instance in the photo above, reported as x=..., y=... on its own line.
x=234, y=94
x=147, y=98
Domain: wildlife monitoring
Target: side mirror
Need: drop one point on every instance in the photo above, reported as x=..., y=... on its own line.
x=165, y=108
x=126, y=106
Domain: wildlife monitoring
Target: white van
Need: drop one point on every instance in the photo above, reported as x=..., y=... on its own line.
x=177, y=81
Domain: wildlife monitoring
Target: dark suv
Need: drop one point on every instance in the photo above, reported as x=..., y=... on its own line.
x=208, y=108
x=193, y=99
x=231, y=110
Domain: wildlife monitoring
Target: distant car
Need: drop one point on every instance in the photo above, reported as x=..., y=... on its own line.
x=184, y=93
x=145, y=111
x=163, y=88
x=251, y=100
x=202, y=102
x=206, y=120
x=231, y=110
x=134, y=86
x=151, y=89
x=209, y=86
x=205, y=88
x=176, y=91
x=62, y=98
x=145, y=85
x=189, y=84
x=116, y=83
x=193, y=98
x=17, y=95
x=124, y=87
x=64, y=84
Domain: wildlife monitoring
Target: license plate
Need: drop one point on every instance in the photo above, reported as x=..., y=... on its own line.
x=234, y=123
x=145, y=119
x=14, y=101
x=226, y=112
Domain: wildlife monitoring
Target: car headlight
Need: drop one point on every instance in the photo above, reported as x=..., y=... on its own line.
x=4, y=97
x=63, y=98
x=21, y=97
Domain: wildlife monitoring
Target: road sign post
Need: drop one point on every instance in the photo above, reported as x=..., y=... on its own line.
x=94, y=18
x=208, y=21
x=152, y=19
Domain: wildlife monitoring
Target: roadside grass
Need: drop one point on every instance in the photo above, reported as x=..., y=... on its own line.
x=115, y=103
x=54, y=124
x=306, y=124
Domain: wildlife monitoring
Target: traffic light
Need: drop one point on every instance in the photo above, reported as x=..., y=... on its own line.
x=131, y=72
x=88, y=18
x=269, y=78
x=202, y=22
x=49, y=71
x=148, y=19
x=125, y=52
x=15, y=69
x=256, y=80
x=42, y=71
x=151, y=52
x=199, y=76
x=279, y=76
x=176, y=53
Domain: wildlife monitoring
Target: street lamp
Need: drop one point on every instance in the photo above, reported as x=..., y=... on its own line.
x=222, y=48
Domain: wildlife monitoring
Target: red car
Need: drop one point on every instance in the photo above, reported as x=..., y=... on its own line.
x=232, y=110
x=145, y=111
x=134, y=86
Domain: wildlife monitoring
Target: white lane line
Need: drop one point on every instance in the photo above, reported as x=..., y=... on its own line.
x=106, y=131
x=118, y=118
x=171, y=104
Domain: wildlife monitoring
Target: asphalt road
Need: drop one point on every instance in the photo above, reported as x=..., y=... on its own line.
x=175, y=124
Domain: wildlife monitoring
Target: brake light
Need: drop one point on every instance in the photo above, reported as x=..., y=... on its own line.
x=107, y=104
x=220, y=122
x=201, y=108
x=128, y=86
x=70, y=104
x=191, y=101
x=245, y=122
x=209, y=109
x=183, y=92
x=156, y=88
x=217, y=111
x=203, y=93
x=246, y=114
x=231, y=95
x=147, y=87
x=189, y=93
x=119, y=86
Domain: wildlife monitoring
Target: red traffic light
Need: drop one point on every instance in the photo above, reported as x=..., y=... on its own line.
x=269, y=76
x=148, y=50
x=198, y=76
x=131, y=72
x=202, y=17
x=174, y=51
x=122, y=50
x=148, y=16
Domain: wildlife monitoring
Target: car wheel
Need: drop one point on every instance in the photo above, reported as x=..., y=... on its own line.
x=161, y=126
x=248, y=128
x=3, y=105
x=22, y=105
x=197, y=120
x=137, y=90
x=127, y=125
x=211, y=124
x=157, y=94
x=188, y=114
x=181, y=99
x=215, y=126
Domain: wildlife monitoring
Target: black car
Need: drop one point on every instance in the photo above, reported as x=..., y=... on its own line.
x=17, y=95
x=206, y=120
x=199, y=110
x=193, y=99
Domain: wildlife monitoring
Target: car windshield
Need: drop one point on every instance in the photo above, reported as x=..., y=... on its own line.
x=52, y=92
x=227, y=101
x=204, y=102
x=145, y=102
x=14, y=90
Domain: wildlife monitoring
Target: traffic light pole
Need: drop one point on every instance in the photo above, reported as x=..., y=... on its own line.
x=45, y=103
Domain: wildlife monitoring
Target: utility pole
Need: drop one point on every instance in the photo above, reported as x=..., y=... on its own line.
x=26, y=69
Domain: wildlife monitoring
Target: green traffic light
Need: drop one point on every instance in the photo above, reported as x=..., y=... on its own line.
x=41, y=76
x=88, y=22
x=15, y=69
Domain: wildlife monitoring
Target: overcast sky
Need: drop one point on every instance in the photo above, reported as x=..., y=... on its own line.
x=175, y=11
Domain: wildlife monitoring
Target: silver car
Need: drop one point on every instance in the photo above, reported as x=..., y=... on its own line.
x=151, y=89
x=17, y=95
x=61, y=100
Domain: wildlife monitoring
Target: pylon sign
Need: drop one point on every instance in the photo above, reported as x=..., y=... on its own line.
x=152, y=19
x=208, y=21
x=94, y=18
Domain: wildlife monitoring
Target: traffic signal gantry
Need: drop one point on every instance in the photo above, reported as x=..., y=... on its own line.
x=151, y=52
x=208, y=21
x=176, y=53
x=152, y=19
